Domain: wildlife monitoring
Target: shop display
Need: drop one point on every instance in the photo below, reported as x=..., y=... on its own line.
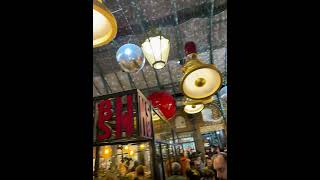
x=123, y=121
x=122, y=162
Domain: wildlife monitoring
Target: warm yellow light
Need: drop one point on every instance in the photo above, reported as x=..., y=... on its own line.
x=155, y=117
x=192, y=109
x=104, y=25
x=126, y=148
x=156, y=50
x=131, y=153
x=142, y=146
x=101, y=26
x=106, y=151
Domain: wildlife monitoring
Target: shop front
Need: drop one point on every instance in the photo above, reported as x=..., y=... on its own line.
x=129, y=132
x=123, y=135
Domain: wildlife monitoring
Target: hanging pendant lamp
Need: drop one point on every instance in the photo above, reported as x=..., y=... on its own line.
x=200, y=80
x=156, y=50
x=104, y=24
x=194, y=106
x=193, y=109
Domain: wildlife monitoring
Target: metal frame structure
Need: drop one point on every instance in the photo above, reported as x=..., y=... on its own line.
x=178, y=17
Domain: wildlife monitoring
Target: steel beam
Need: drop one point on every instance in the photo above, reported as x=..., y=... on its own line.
x=104, y=81
x=210, y=20
x=178, y=34
x=144, y=78
x=97, y=89
x=119, y=81
x=133, y=86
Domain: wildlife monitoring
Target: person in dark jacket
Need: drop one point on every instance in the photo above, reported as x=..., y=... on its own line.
x=194, y=173
x=208, y=172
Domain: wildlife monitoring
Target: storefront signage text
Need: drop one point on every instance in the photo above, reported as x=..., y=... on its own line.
x=124, y=120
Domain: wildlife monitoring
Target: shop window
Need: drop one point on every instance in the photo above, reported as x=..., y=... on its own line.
x=120, y=160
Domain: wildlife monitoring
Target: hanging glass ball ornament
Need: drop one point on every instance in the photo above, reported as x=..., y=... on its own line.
x=130, y=58
x=223, y=94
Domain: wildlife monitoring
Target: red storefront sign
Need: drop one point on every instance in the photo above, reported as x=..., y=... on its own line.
x=145, y=117
x=125, y=115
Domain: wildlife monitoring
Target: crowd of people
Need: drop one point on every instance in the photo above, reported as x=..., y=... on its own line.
x=127, y=169
x=188, y=167
x=213, y=168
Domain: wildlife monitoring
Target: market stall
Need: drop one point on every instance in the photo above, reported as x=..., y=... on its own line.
x=123, y=135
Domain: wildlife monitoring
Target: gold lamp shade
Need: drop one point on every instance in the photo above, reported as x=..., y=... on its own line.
x=192, y=109
x=202, y=101
x=200, y=81
x=104, y=24
x=194, y=106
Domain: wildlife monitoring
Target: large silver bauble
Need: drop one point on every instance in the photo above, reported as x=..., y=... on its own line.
x=130, y=58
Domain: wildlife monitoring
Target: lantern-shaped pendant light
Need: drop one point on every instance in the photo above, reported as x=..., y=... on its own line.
x=200, y=81
x=104, y=24
x=156, y=50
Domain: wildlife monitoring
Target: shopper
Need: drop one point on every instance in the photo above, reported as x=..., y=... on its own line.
x=220, y=165
x=208, y=172
x=140, y=175
x=176, y=172
x=122, y=168
x=200, y=161
x=110, y=176
x=185, y=164
x=194, y=173
x=132, y=172
x=105, y=175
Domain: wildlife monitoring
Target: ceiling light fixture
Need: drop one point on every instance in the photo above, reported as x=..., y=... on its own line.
x=104, y=24
x=156, y=50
